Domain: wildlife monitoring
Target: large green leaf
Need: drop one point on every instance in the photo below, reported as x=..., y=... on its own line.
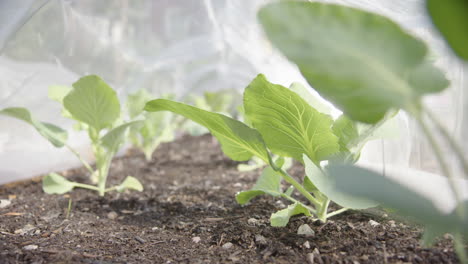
x=56, y=184
x=93, y=102
x=115, y=137
x=288, y=124
x=364, y=183
x=238, y=141
x=451, y=18
x=281, y=218
x=310, y=98
x=326, y=185
x=363, y=63
x=268, y=183
x=54, y=134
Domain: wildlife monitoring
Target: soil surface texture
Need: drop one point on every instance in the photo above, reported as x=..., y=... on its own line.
x=188, y=214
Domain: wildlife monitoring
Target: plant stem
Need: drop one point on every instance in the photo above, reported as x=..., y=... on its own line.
x=312, y=210
x=443, y=165
x=450, y=140
x=69, y=208
x=111, y=188
x=460, y=248
x=293, y=182
x=298, y=187
x=86, y=186
x=342, y=210
x=322, y=212
x=86, y=164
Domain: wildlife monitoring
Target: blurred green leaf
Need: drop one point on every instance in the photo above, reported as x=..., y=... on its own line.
x=93, y=102
x=268, y=183
x=326, y=185
x=363, y=63
x=364, y=183
x=288, y=124
x=136, y=102
x=115, y=137
x=54, y=134
x=346, y=131
x=56, y=184
x=58, y=92
x=238, y=141
x=451, y=18
x=130, y=183
x=281, y=218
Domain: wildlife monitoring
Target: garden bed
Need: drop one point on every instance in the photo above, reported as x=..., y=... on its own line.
x=187, y=214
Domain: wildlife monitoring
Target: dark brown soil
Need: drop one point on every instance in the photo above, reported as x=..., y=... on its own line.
x=187, y=214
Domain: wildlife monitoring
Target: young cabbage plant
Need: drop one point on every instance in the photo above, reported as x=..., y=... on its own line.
x=285, y=125
x=157, y=128
x=96, y=107
x=223, y=101
x=366, y=65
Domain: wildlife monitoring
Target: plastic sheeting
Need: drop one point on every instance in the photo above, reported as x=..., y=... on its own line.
x=175, y=46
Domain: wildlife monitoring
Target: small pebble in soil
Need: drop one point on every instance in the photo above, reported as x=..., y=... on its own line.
x=228, y=245
x=26, y=229
x=253, y=222
x=373, y=223
x=305, y=230
x=112, y=215
x=30, y=247
x=261, y=240
x=196, y=239
x=306, y=244
x=4, y=203
x=392, y=223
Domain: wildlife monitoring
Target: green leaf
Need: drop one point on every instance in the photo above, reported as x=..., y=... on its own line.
x=281, y=218
x=364, y=183
x=310, y=98
x=450, y=17
x=288, y=124
x=308, y=185
x=58, y=92
x=354, y=135
x=221, y=101
x=238, y=141
x=130, y=183
x=326, y=185
x=346, y=131
x=93, y=102
x=268, y=183
x=136, y=102
x=56, y=184
x=289, y=191
x=363, y=63
x=54, y=134
x=115, y=137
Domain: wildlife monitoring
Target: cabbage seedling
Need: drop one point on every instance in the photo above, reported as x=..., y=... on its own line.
x=223, y=101
x=96, y=107
x=286, y=125
x=157, y=128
